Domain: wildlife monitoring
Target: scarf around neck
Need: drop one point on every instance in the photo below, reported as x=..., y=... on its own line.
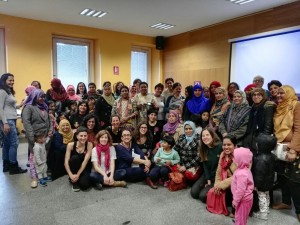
x=105, y=149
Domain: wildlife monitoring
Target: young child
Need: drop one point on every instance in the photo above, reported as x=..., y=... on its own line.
x=198, y=122
x=91, y=103
x=205, y=119
x=40, y=158
x=164, y=157
x=263, y=169
x=242, y=185
x=72, y=109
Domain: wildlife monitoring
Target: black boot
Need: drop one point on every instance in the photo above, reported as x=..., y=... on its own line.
x=5, y=166
x=15, y=169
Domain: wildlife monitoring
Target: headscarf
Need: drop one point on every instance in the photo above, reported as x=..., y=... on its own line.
x=67, y=137
x=109, y=99
x=237, y=113
x=59, y=94
x=248, y=87
x=29, y=89
x=105, y=149
x=192, y=125
x=220, y=106
x=284, y=115
x=33, y=97
x=170, y=128
x=212, y=95
x=198, y=104
x=74, y=96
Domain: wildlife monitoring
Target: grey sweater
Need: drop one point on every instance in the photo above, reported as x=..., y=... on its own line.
x=7, y=107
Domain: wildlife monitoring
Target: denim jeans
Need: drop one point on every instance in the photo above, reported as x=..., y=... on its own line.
x=10, y=142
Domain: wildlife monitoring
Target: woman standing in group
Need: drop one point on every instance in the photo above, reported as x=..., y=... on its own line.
x=58, y=94
x=71, y=93
x=90, y=121
x=260, y=118
x=103, y=159
x=235, y=119
x=144, y=101
x=155, y=127
x=219, y=107
x=174, y=101
x=132, y=159
x=36, y=121
x=210, y=151
x=104, y=105
x=126, y=109
x=273, y=87
x=81, y=90
x=189, y=93
x=231, y=88
x=187, y=148
x=77, y=161
x=198, y=103
x=287, y=129
x=158, y=89
x=8, y=119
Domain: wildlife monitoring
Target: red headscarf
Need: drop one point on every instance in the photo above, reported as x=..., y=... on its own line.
x=248, y=87
x=58, y=93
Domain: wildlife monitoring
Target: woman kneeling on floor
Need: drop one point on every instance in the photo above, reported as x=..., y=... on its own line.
x=103, y=159
x=77, y=160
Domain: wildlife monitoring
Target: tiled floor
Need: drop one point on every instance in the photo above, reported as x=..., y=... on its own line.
x=137, y=204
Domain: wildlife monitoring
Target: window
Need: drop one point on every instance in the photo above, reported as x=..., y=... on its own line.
x=140, y=64
x=73, y=60
x=2, y=53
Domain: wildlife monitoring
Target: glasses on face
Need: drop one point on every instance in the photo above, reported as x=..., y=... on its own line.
x=257, y=95
x=257, y=80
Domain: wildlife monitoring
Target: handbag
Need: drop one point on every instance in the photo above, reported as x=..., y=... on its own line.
x=193, y=173
x=280, y=151
x=177, y=181
x=216, y=203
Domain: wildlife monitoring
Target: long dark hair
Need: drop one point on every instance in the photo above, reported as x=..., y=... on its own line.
x=3, y=84
x=203, y=148
x=87, y=118
x=137, y=133
x=77, y=89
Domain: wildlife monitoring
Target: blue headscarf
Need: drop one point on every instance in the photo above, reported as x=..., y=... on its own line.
x=33, y=97
x=198, y=104
x=192, y=125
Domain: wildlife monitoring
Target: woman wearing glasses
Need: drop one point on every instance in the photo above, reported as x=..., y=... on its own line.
x=132, y=159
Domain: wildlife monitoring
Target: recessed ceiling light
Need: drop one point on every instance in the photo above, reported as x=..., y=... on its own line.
x=240, y=2
x=93, y=13
x=3, y=0
x=163, y=26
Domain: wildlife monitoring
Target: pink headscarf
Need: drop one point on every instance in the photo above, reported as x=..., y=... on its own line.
x=170, y=128
x=74, y=96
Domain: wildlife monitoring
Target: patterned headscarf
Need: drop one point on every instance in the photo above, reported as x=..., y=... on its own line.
x=33, y=99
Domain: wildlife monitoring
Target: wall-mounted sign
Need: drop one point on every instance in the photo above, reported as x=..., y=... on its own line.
x=116, y=70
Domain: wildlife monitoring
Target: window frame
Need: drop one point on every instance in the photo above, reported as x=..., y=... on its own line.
x=74, y=41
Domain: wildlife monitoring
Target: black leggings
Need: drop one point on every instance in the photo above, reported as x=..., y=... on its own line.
x=199, y=191
x=84, y=178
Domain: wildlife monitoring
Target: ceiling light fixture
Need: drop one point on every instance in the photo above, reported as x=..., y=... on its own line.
x=162, y=26
x=93, y=13
x=3, y=0
x=240, y=2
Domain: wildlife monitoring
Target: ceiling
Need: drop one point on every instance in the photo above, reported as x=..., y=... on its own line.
x=136, y=16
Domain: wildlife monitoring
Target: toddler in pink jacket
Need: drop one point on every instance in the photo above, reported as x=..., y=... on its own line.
x=242, y=185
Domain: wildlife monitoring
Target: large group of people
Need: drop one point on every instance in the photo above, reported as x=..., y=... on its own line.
x=219, y=138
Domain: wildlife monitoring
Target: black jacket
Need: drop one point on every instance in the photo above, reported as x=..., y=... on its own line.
x=263, y=170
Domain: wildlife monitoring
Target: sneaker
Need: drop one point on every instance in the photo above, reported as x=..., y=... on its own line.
x=99, y=186
x=47, y=179
x=34, y=183
x=42, y=182
x=166, y=184
x=260, y=215
x=75, y=188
